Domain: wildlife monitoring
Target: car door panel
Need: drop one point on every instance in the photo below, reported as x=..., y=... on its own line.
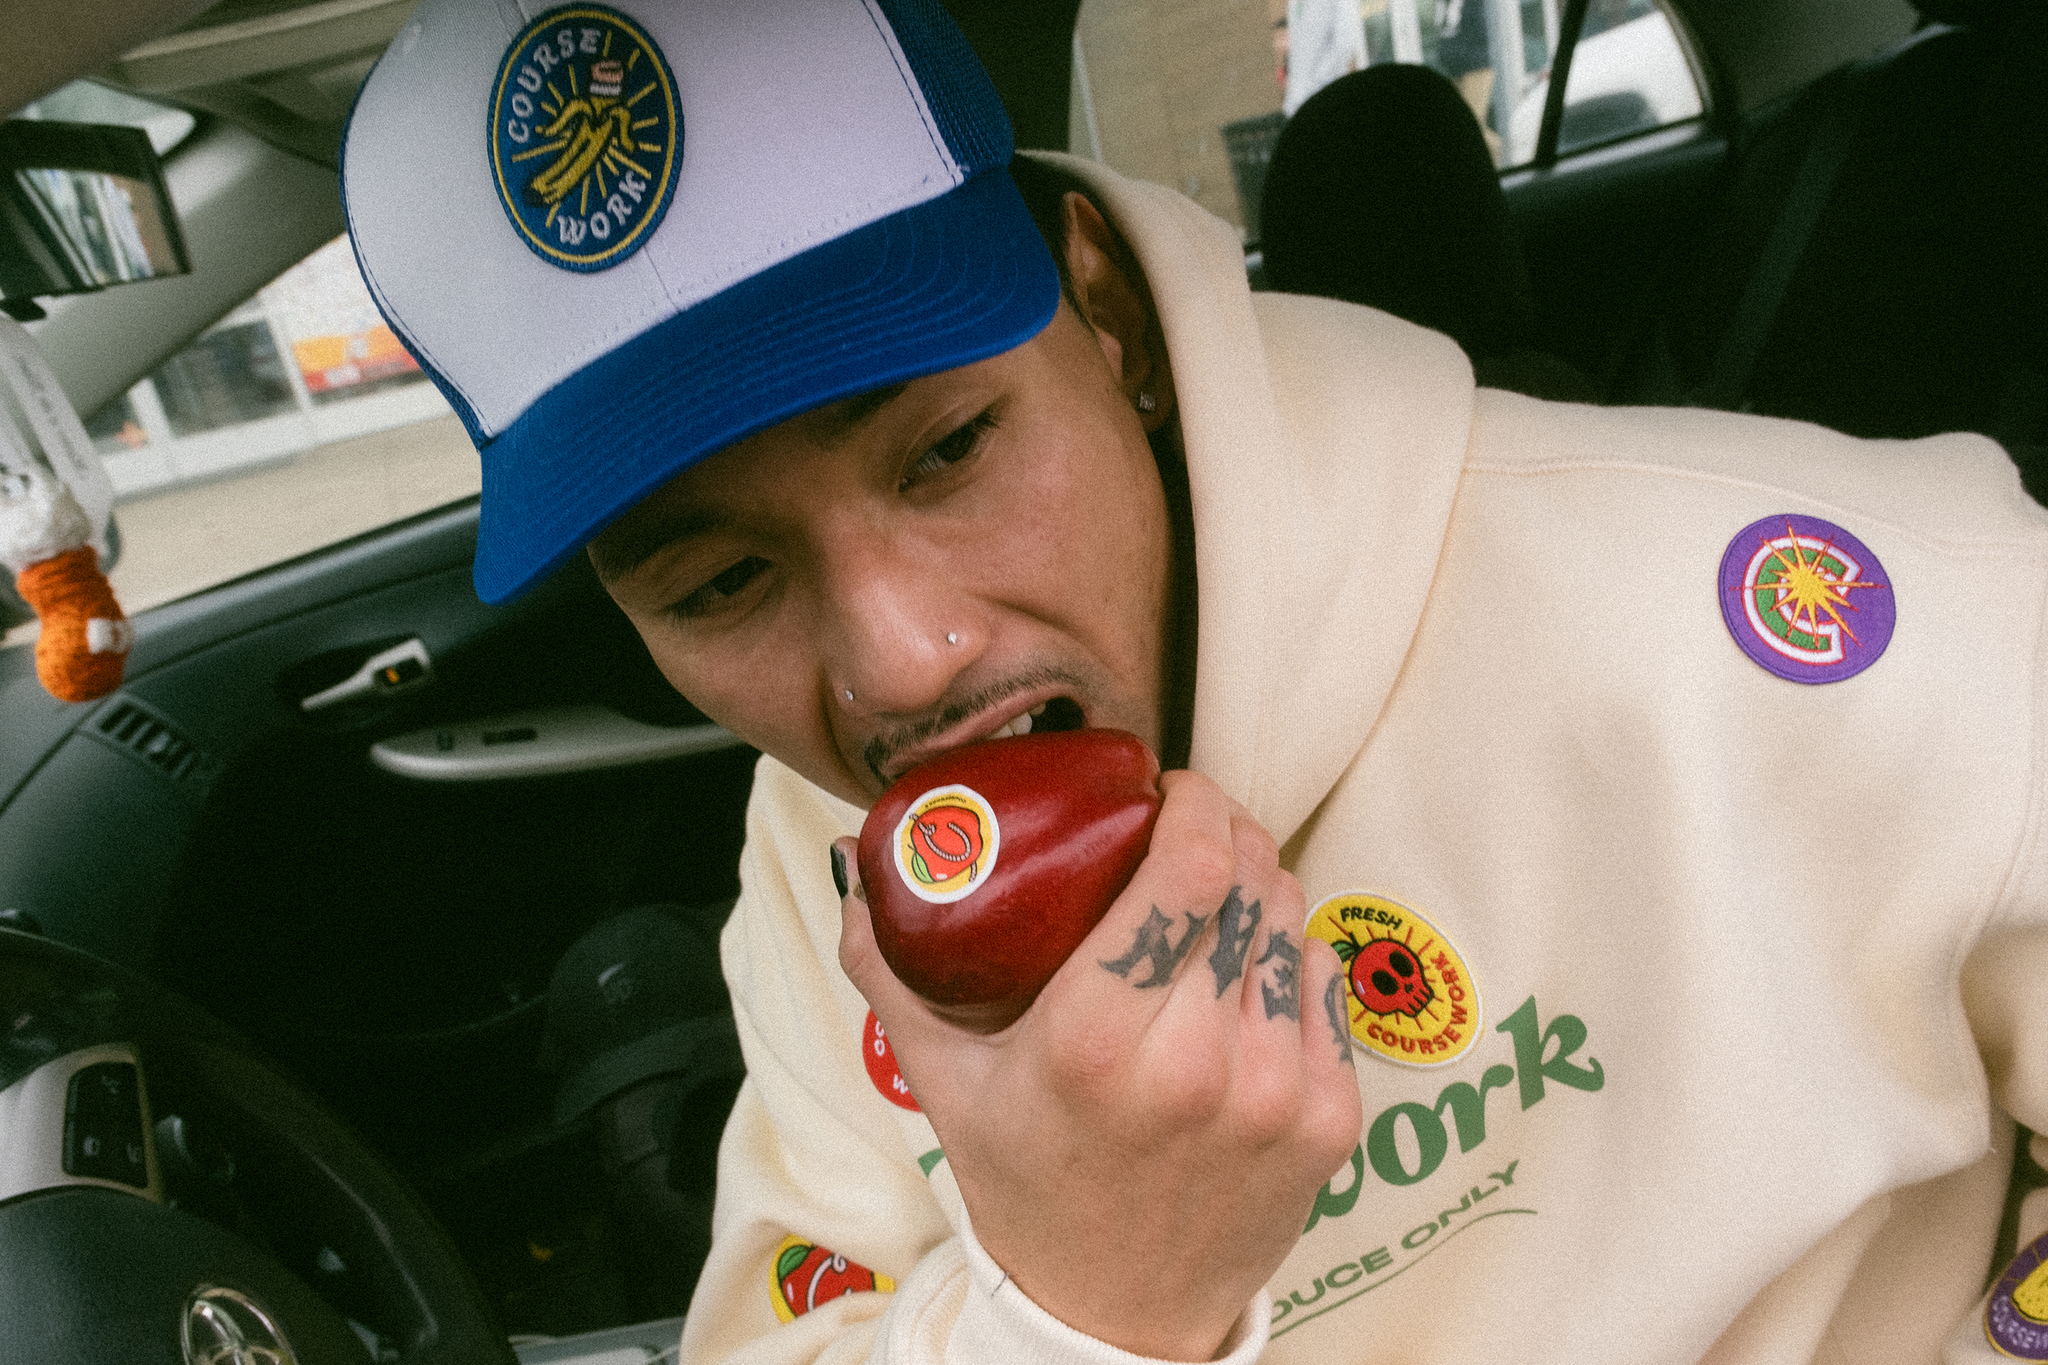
x=372, y=929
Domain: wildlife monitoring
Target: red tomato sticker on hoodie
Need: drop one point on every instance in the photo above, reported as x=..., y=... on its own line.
x=881, y=1061
x=806, y=1276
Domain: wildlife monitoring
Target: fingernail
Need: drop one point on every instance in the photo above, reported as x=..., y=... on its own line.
x=839, y=871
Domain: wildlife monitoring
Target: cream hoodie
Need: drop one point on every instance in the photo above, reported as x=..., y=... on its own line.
x=1755, y=960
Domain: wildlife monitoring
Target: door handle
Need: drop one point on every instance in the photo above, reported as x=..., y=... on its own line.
x=540, y=743
x=397, y=669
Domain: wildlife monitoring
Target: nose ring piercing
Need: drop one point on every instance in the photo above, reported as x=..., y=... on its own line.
x=848, y=691
x=1146, y=402
x=951, y=638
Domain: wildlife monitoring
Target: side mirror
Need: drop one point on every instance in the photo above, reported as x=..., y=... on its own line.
x=82, y=206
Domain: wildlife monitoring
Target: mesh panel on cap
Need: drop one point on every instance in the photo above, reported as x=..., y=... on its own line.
x=970, y=114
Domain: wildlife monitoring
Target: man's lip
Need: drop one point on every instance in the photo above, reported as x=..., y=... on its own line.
x=972, y=731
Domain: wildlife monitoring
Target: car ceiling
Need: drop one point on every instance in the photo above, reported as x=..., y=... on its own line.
x=288, y=70
x=280, y=76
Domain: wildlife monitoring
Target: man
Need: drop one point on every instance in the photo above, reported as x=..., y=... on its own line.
x=1550, y=944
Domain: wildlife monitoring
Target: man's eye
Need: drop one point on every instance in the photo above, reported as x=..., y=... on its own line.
x=715, y=593
x=950, y=450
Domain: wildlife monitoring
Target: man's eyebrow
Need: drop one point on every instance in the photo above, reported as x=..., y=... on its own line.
x=623, y=548
x=836, y=420
x=620, y=551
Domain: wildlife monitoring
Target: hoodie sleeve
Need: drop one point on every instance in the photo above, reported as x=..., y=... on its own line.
x=839, y=1233
x=2005, y=995
x=959, y=1306
x=2005, y=977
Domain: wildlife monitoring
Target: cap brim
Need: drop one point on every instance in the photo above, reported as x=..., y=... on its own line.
x=948, y=282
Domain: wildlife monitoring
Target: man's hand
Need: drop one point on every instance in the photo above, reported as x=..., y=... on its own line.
x=1141, y=1149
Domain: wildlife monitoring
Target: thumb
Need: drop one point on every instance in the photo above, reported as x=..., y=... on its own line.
x=859, y=956
x=907, y=1015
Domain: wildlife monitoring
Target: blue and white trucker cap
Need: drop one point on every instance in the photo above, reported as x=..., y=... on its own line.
x=621, y=237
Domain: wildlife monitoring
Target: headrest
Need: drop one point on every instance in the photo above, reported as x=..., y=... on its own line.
x=1381, y=191
x=638, y=996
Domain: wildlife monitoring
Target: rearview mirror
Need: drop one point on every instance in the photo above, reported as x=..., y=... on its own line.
x=82, y=206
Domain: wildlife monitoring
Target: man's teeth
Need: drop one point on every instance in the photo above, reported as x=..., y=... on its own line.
x=1020, y=726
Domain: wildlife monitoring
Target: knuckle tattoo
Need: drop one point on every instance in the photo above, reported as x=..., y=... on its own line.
x=1236, y=923
x=1282, y=994
x=1154, y=946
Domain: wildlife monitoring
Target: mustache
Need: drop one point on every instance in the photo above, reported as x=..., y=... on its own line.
x=878, y=752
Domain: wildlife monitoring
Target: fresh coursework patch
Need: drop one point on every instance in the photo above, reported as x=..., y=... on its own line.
x=1410, y=996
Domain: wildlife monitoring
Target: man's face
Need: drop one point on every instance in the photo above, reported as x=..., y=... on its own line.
x=977, y=551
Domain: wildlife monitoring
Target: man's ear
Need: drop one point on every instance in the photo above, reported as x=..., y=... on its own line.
x=1117, y=307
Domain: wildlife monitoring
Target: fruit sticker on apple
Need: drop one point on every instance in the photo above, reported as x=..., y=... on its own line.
x=946, y=843
x=986, y=867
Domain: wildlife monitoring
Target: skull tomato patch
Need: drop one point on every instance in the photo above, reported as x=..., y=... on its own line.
x=1410, y=996
x=1386, y=979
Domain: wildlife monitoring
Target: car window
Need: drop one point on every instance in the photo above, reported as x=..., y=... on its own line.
x=292, y=423
x=1195, y=97
x=1629, y=74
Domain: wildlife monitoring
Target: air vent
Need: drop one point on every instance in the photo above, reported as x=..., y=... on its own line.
x=150, y=738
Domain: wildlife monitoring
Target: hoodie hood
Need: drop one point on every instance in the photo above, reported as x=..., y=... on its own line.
x=1321, y=498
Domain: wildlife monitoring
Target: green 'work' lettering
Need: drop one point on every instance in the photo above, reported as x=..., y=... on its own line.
x=1330, y=1205
x=1468, y=1106
x=1429, y=1136
x=1530, y=1068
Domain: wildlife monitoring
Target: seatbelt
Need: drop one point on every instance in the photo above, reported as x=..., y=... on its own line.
x=1727, y=385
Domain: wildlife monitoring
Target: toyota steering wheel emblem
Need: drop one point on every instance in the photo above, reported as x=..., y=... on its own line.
x=225, y=1327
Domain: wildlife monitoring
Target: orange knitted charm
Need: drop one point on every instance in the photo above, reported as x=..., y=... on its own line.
x=85, y=639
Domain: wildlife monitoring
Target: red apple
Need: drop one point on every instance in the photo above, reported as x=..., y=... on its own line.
x=986, y=867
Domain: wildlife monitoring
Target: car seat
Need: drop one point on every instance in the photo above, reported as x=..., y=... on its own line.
x=1877, y=264
x=1381, y=192
x=640, y=1035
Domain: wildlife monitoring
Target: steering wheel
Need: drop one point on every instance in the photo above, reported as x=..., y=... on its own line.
x=166, y=1199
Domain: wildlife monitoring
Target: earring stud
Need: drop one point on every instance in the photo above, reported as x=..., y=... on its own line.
x=951, y=638
x=1146, y=402
x=848, y=692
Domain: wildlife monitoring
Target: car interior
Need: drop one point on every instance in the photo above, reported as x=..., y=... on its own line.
x=343, y=864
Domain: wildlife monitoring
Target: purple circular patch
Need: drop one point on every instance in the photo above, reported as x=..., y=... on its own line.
x=2010, y=1319
x=1805, y=599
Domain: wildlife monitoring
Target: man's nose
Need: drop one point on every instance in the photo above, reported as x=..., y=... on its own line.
x=901, y=631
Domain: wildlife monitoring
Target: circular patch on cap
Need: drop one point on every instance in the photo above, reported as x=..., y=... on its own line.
x=1805, y=599
x=586, y=136
x=2016, y=1318
x=946, y=843
x=882, y=1069
x=1411, y=998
